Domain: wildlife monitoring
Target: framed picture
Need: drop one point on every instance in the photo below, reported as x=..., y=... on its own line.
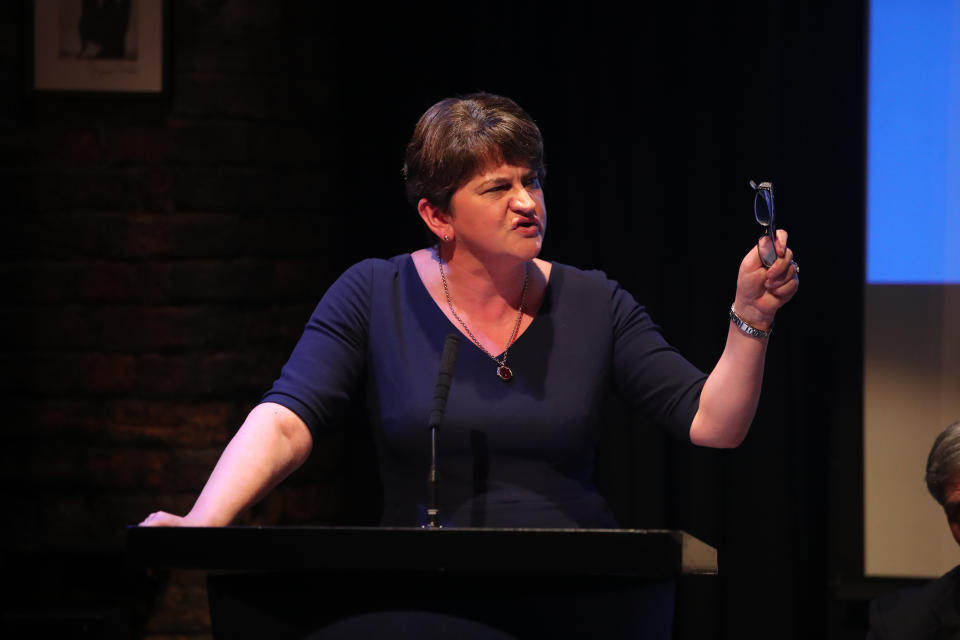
x=99, y=46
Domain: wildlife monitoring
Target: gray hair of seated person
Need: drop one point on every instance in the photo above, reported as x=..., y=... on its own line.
x=943, y=461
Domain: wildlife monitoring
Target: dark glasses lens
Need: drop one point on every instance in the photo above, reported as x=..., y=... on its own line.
x=763, y=205
x=763, y=212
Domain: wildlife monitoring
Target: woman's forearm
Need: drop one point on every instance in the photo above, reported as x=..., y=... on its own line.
x=730, y=395
x=271, y=444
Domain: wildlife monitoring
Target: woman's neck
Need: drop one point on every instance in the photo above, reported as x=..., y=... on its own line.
x=484, y=289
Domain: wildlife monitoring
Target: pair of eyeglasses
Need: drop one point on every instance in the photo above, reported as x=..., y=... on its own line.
x=763, y=212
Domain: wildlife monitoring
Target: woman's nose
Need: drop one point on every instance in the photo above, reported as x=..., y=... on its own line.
x=523, y=201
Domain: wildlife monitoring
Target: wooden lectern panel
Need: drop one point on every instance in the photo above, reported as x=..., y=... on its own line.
x=361, y=582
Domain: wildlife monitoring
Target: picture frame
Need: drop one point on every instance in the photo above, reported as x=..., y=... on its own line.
x=99, y=47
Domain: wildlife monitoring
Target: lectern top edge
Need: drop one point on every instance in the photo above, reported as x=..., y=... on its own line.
x=648, y=553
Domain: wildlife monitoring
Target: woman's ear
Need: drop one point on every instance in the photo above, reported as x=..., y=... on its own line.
x=437, y=220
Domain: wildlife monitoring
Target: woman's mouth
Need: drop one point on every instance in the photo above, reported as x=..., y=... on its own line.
x=527, y=226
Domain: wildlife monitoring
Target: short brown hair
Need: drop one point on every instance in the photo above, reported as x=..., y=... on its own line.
x=457, y=137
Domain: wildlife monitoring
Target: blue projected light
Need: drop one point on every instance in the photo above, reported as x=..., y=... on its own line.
x=913, y=156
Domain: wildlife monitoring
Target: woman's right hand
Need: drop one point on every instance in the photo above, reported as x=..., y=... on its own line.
x=164, y=519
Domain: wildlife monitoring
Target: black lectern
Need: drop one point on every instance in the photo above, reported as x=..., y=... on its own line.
x=341, y=582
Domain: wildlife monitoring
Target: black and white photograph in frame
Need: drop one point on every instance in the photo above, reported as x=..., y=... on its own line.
x=98, y=46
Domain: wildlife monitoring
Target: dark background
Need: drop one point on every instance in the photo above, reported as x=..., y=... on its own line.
x=161, y=257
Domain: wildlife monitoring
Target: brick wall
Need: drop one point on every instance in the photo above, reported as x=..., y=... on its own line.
x=161, y=258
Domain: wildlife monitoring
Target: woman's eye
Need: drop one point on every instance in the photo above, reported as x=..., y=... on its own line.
x=499, y=187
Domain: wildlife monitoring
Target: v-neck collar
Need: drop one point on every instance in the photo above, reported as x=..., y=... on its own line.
x=426, y=298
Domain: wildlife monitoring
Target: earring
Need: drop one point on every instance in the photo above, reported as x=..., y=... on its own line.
x=446, y=238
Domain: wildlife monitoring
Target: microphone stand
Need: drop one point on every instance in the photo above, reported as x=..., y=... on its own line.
x=433, y=483
x=440, y=393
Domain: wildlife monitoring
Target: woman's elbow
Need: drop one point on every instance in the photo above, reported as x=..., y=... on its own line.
x=288, y=433
x=717, y=437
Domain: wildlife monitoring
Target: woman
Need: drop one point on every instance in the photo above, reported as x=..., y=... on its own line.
x=543, y=343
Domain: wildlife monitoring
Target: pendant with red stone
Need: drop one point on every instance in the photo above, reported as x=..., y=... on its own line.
x=504, y=372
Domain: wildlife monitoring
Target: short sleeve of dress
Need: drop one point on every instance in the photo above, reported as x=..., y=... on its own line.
x=326, y=367
x=648, y=372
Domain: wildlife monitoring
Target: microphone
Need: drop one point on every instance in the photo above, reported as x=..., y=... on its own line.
x=440, y=393
x=442, y=390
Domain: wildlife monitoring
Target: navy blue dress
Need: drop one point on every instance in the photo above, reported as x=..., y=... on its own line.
x=517, y=453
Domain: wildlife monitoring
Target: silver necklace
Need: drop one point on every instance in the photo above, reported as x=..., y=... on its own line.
x=503, y=371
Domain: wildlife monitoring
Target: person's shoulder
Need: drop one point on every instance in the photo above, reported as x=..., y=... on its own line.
x=927, y=592
x=362, y=279
x=592, y=284
x=570, y=269
x=577, y=277
x=910, y=612
x=371, y=270
x=381, y=265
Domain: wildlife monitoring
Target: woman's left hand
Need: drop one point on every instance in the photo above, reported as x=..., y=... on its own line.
x=761, y=291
